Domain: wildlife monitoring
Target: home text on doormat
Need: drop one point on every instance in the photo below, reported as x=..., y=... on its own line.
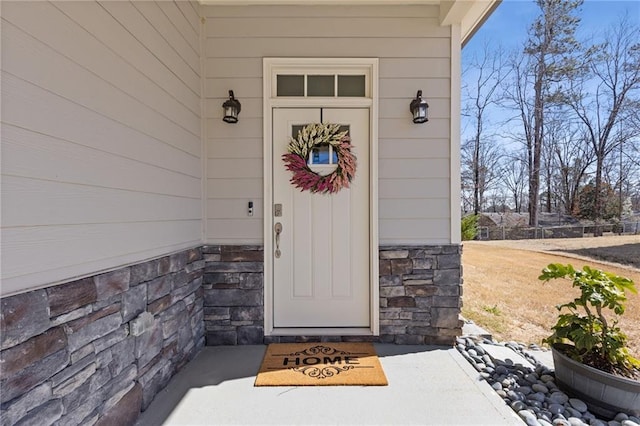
x=321, y=364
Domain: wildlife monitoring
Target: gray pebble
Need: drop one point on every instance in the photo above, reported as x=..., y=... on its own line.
x=597, y=422
x=620, y=417
x=540, y=388
x=559, y=398
x=501, y=369
x=561, y=422
x=629, y=423
x=614, y=423
x=518, y=406
x=497, y=386
x=578, y=405
x=531, y=378
x=576, y=421
x=546, y=378
x=556, y=408
x=528, y=417
x=538, y=396
x=570, y=411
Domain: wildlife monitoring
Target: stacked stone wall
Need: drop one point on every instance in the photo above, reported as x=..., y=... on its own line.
x=420, y=296
x=97, y=350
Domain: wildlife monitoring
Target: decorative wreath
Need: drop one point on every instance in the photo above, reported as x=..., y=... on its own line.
x=300, y=148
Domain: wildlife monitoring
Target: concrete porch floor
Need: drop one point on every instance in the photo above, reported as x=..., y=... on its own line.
x=427, y=385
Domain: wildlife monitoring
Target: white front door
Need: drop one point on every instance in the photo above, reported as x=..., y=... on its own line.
x=321, y=277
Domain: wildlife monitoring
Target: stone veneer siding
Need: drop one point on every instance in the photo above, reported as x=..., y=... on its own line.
x=420, y=296
x=97, y=350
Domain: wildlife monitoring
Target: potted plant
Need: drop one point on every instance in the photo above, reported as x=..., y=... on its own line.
x=590, y=354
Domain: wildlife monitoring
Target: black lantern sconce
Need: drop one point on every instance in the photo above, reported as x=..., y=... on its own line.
x=231, y=109
x=419, y=108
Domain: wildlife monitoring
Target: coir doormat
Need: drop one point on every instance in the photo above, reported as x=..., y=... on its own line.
x=321, y=364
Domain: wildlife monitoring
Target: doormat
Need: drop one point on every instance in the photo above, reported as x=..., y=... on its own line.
x=321, y=364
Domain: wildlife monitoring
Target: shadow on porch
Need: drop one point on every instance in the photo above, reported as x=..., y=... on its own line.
x=427, y=385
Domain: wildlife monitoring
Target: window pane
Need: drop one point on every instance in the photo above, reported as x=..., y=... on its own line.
x=351, y=86
x=320, y=85
x=320, y=155
x=290, y=85
x=295, y=129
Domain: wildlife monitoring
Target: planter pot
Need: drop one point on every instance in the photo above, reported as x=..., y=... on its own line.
x=604, y=393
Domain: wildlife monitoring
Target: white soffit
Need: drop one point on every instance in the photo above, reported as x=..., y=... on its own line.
x=469, y=14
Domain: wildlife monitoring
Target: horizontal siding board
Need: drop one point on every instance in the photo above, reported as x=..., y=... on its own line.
x=246, y=128
x=256, y=11
x=327, y=47
x=175, y=15
x=438, y=128
x=98, y=22
x=407, y=87
x=23, y=56
x=312, y=26
x=235, y=148
x=234, y=208
x=413, y=168
x=163, y=26
x=233, y=68
x=234, y=188
x=46, y=113
x=72, y=41
x=242, y=88
x=43, y=203
x=415, y=67
x=142, y=30
x=30, y=154
x=412, y=208
x=420, y=188
x=424, y=231
x=235, y=168
x=235, y=231
x=75, y=250
x=414, y=148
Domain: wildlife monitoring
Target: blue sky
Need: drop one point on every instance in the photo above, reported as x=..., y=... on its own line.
x=508, y=26
x=509, y=23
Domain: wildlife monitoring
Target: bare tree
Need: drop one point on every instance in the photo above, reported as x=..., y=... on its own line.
x=572, y=158
x=483, y=74
x=604, y=94
x=550, y=49
x=514, y=179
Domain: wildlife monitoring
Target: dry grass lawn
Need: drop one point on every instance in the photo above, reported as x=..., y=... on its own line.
x=502, y=292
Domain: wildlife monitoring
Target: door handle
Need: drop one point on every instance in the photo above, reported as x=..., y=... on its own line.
x=278, y=229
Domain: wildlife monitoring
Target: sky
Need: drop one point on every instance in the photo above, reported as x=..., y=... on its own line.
x=509, y=23
x=508, y=26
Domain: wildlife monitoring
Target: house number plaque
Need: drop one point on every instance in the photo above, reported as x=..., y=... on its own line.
x=277, y=210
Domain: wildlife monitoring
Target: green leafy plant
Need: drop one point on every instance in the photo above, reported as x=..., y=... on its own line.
x=583, y=331
x=469, y=227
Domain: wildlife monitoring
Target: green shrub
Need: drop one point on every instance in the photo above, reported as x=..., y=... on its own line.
x=469, y=227
x=587, y=327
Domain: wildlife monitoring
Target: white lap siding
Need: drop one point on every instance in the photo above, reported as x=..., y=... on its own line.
x=101, y=136
x=414, y=160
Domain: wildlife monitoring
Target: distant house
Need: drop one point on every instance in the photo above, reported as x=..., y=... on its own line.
x=138, y=225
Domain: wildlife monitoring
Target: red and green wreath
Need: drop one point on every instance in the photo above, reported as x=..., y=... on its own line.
x=297, y=159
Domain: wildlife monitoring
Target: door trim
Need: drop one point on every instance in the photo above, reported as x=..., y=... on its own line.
x=271, y=67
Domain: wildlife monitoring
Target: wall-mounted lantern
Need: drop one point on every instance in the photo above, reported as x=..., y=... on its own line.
x=419, y=108
x=231, y=109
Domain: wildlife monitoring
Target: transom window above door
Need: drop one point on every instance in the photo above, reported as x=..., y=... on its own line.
x=322, y=85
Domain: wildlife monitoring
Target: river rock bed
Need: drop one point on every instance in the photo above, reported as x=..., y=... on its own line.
x=530, y=390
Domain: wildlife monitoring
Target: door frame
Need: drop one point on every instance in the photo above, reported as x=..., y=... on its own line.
x=271, y=68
